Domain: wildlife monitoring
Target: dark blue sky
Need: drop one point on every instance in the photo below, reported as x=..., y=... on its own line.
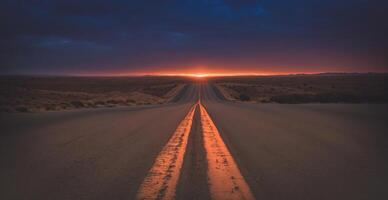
x=101, y=36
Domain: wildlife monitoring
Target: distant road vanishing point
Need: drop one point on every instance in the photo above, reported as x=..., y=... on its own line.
x=199, y=146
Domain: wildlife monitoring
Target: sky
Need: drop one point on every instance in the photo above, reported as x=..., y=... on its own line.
x=117, y=37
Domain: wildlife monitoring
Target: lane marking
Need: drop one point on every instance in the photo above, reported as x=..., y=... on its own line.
x=225, y=179
x=161, y=181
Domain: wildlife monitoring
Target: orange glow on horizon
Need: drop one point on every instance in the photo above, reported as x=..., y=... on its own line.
x=192, y=75
x=200, y=75
x=206, y=72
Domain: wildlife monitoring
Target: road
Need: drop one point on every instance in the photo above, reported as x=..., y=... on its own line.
x=311, y=151
x=272, y=151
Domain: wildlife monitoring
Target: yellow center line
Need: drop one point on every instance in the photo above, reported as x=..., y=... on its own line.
x=225, y=179
x=161, y=181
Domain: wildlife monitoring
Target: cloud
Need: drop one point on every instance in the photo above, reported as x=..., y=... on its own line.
x=97, y=34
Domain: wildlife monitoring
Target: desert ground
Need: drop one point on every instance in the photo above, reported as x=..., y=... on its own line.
x=318, y=88
x=39, y=94
x=202, y=143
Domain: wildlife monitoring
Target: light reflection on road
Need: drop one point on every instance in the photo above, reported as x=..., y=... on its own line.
x=225, y=179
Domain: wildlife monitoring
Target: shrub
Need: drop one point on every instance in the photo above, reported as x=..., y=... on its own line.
x=244, y=97
x=21, y=109
x=77, y=104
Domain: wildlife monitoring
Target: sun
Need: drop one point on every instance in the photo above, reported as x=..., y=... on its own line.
x=199, y=75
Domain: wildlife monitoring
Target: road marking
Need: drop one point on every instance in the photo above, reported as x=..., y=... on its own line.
x=161, y=181
x=225, y=179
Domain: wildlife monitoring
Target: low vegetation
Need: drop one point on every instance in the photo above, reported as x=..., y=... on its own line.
x=323, y=88
x=36, y=94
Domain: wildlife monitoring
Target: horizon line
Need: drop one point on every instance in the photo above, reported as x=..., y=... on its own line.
x=198, y=75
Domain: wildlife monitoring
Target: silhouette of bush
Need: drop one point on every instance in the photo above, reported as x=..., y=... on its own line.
x=77, y=104
x=21, y=109
x=244, y=97
x=100, y=103
x=130, y=101
x=112, y=101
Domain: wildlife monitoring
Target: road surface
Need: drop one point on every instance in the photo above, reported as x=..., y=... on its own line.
x=265, y=151
x=310, y=151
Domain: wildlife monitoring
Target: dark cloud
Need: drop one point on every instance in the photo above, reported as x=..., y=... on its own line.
x=66, y=36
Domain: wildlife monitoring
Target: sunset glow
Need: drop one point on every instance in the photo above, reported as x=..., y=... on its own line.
x=194, y=99
x=193, y=38
x=200, y=75
x=206, y=73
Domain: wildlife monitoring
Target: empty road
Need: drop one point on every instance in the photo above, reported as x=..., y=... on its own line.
x=200, y=146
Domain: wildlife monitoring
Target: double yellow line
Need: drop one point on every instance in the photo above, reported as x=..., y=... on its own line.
x=224, y=177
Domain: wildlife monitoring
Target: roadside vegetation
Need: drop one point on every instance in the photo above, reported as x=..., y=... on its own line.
x=37, y=94
x=324, y=88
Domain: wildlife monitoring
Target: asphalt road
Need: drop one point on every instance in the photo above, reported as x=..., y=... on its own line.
x=85, y=154
x=311, y=151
